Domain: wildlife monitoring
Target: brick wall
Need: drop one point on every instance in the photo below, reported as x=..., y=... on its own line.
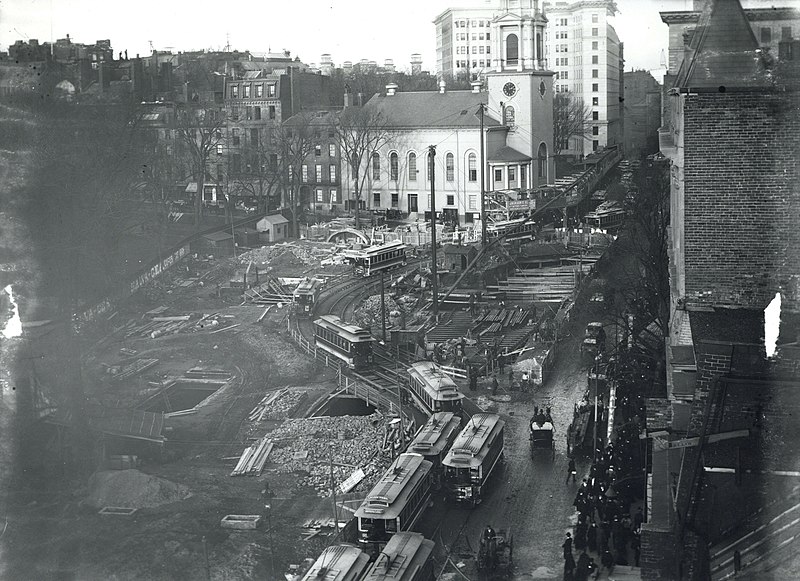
x=713, y=360
x=742, y=198
x=657, y=559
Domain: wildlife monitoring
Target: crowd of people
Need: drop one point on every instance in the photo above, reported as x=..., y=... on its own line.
x=605, y=528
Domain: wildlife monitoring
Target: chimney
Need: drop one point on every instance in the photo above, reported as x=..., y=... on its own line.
x=442, y=86
x=476, y=86
x=391, y=89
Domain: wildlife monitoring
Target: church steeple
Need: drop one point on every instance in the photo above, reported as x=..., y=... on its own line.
x=518, y=36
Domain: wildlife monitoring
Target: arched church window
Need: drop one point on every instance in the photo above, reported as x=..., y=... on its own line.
x=512, y=49
x=542, y=160
x=510, y=116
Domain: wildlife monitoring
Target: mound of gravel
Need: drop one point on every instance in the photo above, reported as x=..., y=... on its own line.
x=132, y=489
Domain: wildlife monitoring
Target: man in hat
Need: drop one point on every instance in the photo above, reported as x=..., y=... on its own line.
x=571, y=471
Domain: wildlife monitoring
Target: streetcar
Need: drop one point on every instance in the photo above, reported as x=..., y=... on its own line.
x=395, y=503
x=473, y=457
x=434, y=439
x=306, y=295
x=379, y=258
x=511, y=230
x=406, y=557
x=348, y=343
x=433, y=389
x=339, y=563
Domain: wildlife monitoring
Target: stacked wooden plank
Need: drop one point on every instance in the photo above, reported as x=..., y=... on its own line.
x=252, y=460
x=270, y=292
x=134, y=368
x=264, y=405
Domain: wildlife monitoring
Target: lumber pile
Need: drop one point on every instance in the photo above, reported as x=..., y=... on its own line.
x=271, y=292
x=123, y=372
x=252, y=460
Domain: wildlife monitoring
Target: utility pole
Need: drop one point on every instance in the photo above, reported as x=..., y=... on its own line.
x=383, y=309
x=333, y=491
x=400, y=402
x=483, y=181
x=434, y=268
x=596, y=390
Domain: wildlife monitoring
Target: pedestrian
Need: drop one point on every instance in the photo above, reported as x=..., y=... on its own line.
x=582, y=567
x=591, y=536
x=607, y=560
x=636, y=546
x=567, y=546
x=510, y=375
x=569, y=568
x=638, y=519
x=501, y=362
x=495, y=385
x=571, y=471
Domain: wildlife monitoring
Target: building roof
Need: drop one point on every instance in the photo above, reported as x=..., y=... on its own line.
x=123, y=422
x=724, y=50
x=275, y=219
x=432, y=109
x=507, y=154
x=218, y=236
x=752, y=14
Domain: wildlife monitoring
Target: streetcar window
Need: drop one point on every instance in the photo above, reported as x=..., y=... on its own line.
x=391, y=526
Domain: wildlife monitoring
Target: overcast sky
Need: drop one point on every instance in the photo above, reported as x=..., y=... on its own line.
x=347, y=29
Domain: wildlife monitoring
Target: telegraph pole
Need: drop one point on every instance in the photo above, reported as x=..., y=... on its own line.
x=383, y=309
x=434, y=271
x=483, y=181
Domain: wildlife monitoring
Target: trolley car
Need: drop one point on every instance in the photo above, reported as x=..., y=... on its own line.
x=434, y=390
x=305, y=296
x=375, y=259
x=351, y=344
x=406, y=557
x=511, y=230
x=434, y=439
x=339, y=563
x=395, y=503
x=473, y=457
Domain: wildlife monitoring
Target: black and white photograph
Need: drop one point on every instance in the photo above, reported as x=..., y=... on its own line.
x=440, y=290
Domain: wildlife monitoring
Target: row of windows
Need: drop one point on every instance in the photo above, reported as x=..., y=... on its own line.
x=475, y=50
x=376, y=199
x=562, y=35
x=257, y=89
x=252, y=113
x=475, y=36
x=331, y=338
x=331, y=150
x=317, y=173
x=474, y=23
x=766, y=34
x=475, y=64
x=333, y=195
x=394, y=169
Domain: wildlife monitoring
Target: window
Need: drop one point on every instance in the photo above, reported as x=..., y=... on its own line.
x=219, y=173
x=498, y=174
x=472, y=165
x=786, y=33
x=246, y=91
x=522, y=177
x=235, y=136
x=412, y=167
x=235, y=91
x=474, y=36
x=257, y=113
x=594, y=18
x=376, y=199
x=563, y=22
x=541, y=159
x=291, y=173
x=595, y=101
x=450, y=167
x=376, y=166
x=474, y=50
x=473, y=202
x=595, y=73
x=332, y=172
x=395, y=200
x=595, y=130
x=393, y=167
x=594, y=32
x=564, y=74
x=488, y=48
x=248, y=113
x=595, y=115
x=595, y=87
x=235, y=113
x=219, y=150
x=510, y=116
x=331, y=150
x=451, y=200
x=512, y=49
x=480, y=49
x=318, y=172
x=260, y=90
x=236, y=163
x=487, y=38
x=595, y=145
x=272, y=111
x=254, y=137
x=320, y=196
x=271, y=90
x=317, y=150
x=304, y=173
x=766, y=35
x=273, y=161
x=334, y=196
x=594, y=45
x=480, y=36
x=595, y=59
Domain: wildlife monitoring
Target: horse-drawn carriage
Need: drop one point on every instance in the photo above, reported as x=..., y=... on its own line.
x=541, y=432
x=496, y=552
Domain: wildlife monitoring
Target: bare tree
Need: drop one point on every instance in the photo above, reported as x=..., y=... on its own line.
x=295, y=143
x=201, y=132
x=359, y=131
x=571, y=118
x=260, y=177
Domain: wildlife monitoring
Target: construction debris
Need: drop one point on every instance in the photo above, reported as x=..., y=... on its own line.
x=240, y=521
x=253, y=458
x=277, y=406
x=122, y=372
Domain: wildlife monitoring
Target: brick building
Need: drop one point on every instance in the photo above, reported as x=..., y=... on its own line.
x=724, y=459
x=642, y=112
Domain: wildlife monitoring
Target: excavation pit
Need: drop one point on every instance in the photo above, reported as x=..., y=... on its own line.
x=346, y=406
x=181, y=396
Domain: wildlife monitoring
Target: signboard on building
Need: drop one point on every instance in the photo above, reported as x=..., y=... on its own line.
x=518, y=205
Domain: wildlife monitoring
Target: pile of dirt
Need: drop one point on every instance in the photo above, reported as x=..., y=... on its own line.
x=132, y=489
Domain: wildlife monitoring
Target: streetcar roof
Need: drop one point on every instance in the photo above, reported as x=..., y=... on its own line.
x=435, y=380
x=434, y=437
x=338, y=563
x=473, y=443
x=351, y=332
x=388, y=497
x=403, y=556
x=373, y=250
x=307, y=285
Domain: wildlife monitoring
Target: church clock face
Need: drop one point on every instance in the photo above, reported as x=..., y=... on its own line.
x=509, y=89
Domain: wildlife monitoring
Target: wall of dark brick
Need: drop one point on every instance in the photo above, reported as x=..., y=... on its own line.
x=657, y=559
x=742, y=198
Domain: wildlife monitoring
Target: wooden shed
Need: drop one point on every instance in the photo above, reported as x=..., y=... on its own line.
x=273, y=228
x=220, y=243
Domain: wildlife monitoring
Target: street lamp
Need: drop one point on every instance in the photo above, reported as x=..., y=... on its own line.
x=268, y=511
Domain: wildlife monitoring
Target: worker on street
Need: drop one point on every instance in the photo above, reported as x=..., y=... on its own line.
x=571, y=471
x=495, y=385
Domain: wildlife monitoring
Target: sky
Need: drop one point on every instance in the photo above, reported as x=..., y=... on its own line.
x=347, y=29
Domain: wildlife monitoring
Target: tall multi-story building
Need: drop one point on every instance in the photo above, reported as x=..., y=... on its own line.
x=463, y=42
x=583, y=49
x=721, y=496
x=518, y=121
x=642, y=110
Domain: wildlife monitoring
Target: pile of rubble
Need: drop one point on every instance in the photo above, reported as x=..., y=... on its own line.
x=400, y=311
x=307, y=447
x=294, y=253
x=277, y=406
x=163, y=324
